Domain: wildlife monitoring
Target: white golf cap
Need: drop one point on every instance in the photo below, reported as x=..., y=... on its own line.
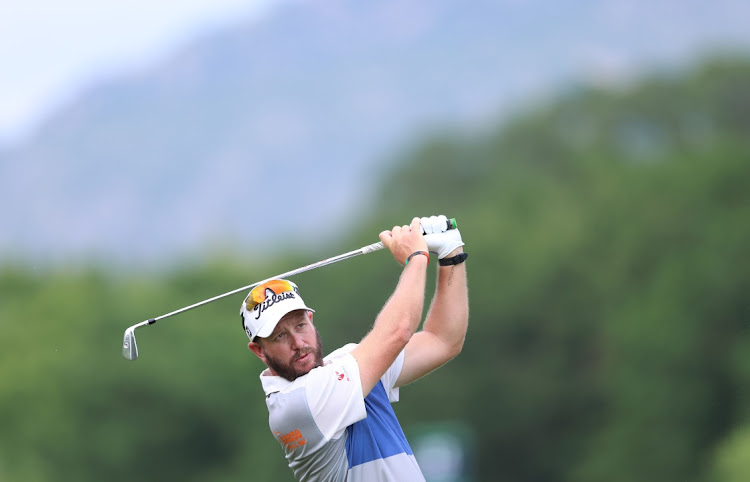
x=266, y=305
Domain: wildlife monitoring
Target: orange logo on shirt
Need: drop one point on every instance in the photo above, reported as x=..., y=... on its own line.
x=292, y=441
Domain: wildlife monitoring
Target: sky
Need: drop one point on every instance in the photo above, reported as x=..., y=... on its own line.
x=51, y=49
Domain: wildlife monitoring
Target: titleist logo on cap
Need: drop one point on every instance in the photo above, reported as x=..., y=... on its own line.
x=271, y=299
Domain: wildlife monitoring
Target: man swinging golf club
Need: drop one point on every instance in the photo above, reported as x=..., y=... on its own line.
x=332, y=415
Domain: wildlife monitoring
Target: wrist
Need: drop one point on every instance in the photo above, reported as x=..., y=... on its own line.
x=454, y=260
x=417, y=254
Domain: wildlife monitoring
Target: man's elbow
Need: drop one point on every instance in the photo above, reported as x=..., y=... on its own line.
x=457, y=348
x=401, y=335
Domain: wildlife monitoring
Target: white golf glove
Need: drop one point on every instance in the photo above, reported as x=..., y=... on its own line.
x=439, y=238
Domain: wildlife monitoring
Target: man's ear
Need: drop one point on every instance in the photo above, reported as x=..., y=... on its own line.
x=257, y=350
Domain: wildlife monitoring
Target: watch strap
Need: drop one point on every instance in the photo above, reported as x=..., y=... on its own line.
x=457, y=259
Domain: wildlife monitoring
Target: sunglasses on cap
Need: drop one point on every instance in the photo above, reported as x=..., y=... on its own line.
x=258, y=294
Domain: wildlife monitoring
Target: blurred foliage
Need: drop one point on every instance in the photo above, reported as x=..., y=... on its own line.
x=609, y=234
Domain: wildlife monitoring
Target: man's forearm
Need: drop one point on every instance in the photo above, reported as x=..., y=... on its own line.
x=449, y=311
x=403, y=311
x=394, y=326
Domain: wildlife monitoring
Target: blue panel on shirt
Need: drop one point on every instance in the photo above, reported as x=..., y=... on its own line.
x=379, y=435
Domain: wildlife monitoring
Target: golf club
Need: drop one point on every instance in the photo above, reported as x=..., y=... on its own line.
x=130, y=348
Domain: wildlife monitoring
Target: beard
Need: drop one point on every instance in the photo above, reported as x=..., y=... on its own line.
x=287, y=370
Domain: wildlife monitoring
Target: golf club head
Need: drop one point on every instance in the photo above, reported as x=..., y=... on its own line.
x=129, y=347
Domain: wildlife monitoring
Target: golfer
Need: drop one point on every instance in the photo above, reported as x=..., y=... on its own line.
x=333, y=416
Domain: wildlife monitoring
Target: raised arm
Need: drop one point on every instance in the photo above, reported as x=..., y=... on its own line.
x=400, y=317
x=444, y=331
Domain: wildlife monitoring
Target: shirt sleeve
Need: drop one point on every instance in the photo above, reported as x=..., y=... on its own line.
x=334, y=396
x=390, y=377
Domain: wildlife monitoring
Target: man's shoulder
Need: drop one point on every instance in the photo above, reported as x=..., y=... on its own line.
x=343, y=351
x=275, y=384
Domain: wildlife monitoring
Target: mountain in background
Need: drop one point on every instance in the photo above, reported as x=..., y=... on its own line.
x=277, y=133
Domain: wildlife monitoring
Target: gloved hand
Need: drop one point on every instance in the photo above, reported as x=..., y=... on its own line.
x=439, y=238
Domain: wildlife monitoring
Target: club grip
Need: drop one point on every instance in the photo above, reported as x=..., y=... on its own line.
x=451, y=224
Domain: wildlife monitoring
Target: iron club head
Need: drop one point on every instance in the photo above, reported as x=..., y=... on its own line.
x=129, y=346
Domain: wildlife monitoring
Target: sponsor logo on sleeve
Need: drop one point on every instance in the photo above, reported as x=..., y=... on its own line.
x=291, y=441
x=340, y=376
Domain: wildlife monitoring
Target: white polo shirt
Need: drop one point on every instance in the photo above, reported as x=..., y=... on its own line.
x=330, y=432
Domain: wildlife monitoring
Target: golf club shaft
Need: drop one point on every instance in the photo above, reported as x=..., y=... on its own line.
x=351, y=254
x=130, y=347
x=363, y=250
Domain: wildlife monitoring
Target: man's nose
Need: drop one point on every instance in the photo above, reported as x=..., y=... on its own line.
x=297, y=341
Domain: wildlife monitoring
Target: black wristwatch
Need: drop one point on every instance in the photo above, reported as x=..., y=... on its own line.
x=457, y=259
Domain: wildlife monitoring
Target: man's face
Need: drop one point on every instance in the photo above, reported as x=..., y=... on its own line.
x=294, y=347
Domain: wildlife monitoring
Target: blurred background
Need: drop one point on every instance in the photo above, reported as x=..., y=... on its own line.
x=595, y=154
